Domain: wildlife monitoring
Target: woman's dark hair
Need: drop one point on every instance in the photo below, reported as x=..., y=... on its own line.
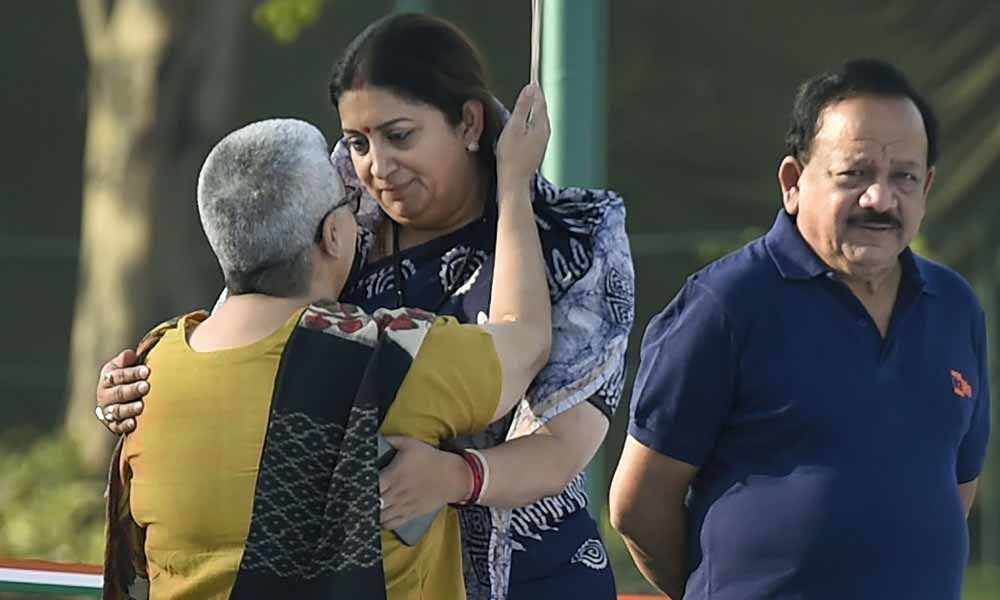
x=854, y=78
x=423, y=59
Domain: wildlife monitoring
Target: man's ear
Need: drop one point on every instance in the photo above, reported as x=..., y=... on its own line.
x=789, y=172
x=929, y=182
x=473, y=122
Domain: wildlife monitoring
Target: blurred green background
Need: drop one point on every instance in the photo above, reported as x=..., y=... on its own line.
x=109, y=107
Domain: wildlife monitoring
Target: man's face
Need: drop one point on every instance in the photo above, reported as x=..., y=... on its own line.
x=860, y=198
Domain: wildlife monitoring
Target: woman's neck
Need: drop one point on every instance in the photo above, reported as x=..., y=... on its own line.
x=242, y=320
x=472, y=209
x=247, y=318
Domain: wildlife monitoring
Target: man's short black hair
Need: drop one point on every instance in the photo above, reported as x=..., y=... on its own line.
x=859, y=77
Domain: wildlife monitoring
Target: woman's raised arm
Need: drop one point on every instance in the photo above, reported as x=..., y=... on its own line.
x=520, y=319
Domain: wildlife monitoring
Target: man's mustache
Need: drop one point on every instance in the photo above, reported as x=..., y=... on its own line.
x=872, y=217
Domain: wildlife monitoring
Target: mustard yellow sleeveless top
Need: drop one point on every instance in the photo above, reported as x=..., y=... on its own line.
x=192, y=462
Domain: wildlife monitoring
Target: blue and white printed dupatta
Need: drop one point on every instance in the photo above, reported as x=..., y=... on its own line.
x=591, y=280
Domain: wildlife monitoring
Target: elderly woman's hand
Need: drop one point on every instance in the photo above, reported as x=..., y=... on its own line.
x=419, y=480
x=120, y=389
x=522, y=143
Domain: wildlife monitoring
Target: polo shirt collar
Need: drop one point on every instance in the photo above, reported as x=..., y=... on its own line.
x=913, y=272
x=795, y=260
x=791, y=254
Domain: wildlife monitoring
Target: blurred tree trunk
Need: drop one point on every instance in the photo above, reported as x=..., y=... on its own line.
x=126, y=43
x=161, y=74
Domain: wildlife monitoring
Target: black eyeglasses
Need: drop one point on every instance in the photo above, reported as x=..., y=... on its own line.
x=352, y=198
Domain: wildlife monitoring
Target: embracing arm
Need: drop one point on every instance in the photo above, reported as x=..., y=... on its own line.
x=422, y=478
x=542, y=464
x=647, y=509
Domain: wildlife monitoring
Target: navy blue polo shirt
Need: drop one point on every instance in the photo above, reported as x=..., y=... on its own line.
x=829, y=458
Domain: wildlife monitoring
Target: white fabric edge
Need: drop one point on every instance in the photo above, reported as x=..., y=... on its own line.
x=57, y=578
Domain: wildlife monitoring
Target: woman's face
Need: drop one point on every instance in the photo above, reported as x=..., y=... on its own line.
x=414, y=162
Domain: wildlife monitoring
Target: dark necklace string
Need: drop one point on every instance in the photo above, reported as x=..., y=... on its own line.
x=397, y=265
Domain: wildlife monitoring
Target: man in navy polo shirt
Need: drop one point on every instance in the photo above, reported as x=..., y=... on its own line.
x=811, y=412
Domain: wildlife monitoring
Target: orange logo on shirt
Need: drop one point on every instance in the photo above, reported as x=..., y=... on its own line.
x=959, y=385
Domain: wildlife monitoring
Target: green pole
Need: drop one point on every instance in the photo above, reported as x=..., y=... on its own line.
x=574, y=77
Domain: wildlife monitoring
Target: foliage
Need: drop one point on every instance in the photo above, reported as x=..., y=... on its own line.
x=285, y=19
x=49, y=507
x=711, y=247
x=982, y=583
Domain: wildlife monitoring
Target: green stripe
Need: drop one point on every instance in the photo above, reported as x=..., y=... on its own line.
x=49, y=589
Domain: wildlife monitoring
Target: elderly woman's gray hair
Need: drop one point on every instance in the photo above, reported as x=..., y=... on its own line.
x=262, y=194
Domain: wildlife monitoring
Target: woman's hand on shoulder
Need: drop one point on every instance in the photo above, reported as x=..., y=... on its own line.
x=120, y=388
x=522, y=143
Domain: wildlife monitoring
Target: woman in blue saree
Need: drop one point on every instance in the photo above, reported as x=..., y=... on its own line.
x=419, y=125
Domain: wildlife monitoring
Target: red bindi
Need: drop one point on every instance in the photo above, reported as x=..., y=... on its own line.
x=366, y=130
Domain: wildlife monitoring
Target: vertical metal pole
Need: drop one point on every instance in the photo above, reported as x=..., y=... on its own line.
x=574, y=77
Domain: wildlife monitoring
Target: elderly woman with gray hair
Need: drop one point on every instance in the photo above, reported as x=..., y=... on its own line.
x=420, y=130
x=255, y=474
